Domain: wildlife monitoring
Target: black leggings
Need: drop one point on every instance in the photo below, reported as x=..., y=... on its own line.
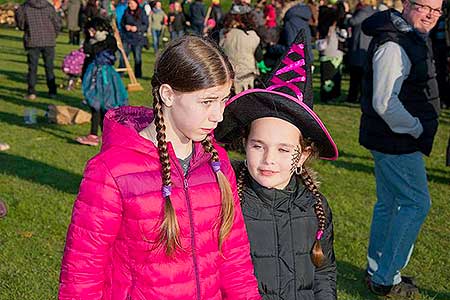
x=97, y=120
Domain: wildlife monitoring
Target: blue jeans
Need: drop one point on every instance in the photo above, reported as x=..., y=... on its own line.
x=402, y=204
x=156, y=35
x=137, y=54
x=176, y=34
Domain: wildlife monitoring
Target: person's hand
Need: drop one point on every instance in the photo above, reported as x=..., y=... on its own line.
x=188, y=23
x=133, y=28
x=127, y=27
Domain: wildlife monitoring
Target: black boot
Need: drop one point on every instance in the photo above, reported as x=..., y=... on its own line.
x=138, y=70
x=70, y=37
x=76, y=38
x=52, y=88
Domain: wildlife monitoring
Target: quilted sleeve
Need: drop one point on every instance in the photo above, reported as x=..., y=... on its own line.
x=20, y=17
x=238, y=281
x=96, y=220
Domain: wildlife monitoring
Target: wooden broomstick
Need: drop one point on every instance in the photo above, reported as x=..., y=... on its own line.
x=134, y=85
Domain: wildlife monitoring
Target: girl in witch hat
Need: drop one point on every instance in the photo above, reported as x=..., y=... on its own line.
x=288, y=220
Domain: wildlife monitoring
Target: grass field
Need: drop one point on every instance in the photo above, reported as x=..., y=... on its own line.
x=40, y=175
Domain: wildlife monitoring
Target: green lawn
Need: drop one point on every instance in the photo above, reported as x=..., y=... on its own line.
x=40, y=174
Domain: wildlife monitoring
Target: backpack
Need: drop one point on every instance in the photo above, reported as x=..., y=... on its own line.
x=73, y=62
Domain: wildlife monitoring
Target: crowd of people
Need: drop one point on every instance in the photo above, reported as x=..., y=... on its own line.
x=163, y=214
x=252, y=36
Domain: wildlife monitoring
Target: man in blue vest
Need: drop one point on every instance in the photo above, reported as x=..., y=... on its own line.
x=400, y=107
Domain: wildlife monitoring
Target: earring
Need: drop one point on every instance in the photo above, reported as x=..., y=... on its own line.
x=245, y=163
x=298, y=170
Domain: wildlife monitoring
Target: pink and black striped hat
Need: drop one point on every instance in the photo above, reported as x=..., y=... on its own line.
x=288, y=95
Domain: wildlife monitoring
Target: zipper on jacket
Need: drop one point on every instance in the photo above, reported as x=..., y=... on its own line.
x=277, y=250
x=193, y=165
x=293, y=253
x=191, y=221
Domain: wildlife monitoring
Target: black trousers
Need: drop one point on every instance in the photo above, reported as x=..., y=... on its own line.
x=97, y=120
x=442, y=76
x=48, y=54
x=74, y=37
x=330, y=82
x=356, y=77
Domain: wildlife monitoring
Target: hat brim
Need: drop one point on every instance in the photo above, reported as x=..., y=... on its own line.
x=253, y=104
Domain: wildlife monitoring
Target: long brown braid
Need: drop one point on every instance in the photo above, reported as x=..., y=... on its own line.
x=240, y=181
x=189, y=64
x=169, y=229
x=317, y=255
x=227, y=211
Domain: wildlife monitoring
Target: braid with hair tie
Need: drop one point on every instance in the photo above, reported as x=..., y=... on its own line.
x=317, y=255
x=169, y=228
x=227, y=211
x=240, y=182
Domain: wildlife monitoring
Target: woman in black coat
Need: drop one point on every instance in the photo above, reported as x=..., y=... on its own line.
x=358, y=45
x=134, y=23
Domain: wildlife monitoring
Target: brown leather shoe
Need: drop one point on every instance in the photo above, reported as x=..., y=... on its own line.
x=3, y=209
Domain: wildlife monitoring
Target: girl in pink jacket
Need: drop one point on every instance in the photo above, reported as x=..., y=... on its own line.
x=157, y=215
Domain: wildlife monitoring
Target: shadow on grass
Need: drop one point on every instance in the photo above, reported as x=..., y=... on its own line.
x=42, y=125
x=18, y=97
x=22, y=61
x=12, y=51
x=39, y=172
x=345, y=162
x=345, y=154
x=11, y=38
x=351, y=281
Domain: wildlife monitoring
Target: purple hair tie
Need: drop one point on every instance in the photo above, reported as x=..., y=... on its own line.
x=166, y=190
x=319, y=234
x=216, y=166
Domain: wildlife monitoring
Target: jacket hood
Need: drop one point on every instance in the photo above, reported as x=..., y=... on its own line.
x=300, y=11
x=121, y=128
x=385, y=21
x=38, y=3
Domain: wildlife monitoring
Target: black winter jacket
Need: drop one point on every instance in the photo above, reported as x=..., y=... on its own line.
x=281, y=226
x=296, y=19
x=137, y=38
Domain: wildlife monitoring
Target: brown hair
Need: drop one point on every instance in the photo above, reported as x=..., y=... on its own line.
x=189, y=64
x=308, y=177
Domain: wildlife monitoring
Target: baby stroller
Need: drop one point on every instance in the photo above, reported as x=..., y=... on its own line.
x=72, y=66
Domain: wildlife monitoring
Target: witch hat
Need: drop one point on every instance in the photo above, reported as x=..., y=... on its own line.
x=288, y=95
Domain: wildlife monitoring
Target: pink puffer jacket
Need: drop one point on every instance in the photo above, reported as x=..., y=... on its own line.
x=109, y=253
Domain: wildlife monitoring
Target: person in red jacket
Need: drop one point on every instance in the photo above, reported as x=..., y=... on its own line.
x=157, y=215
